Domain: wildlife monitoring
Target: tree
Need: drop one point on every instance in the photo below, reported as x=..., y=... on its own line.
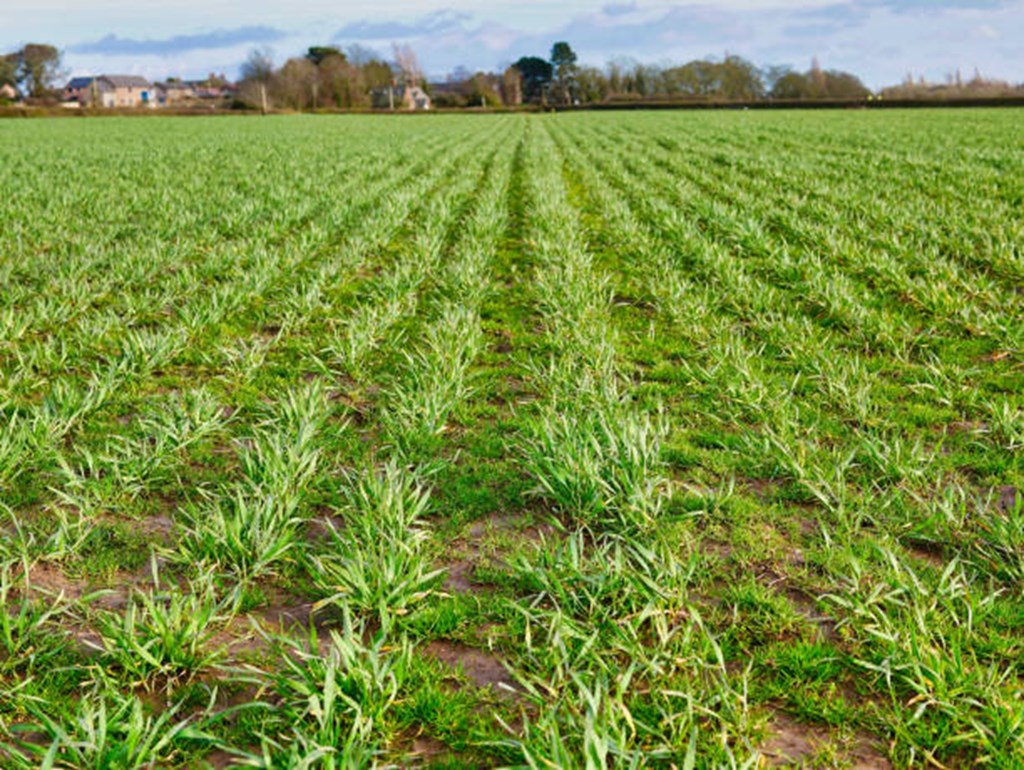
x=512, y=87
x=377, y=74
x=341, y=84
x=740, y=80
x=536, y=74
x=563, y=62
x=481, y=90
x=317, y=53
x=257, y=76
x=792, y=85
x=38, y=69
x=8, y=69
x=773, y=73
x=819, y=84
x=259, y=66
x=816, y=80
x=844, y=85
x=408, y=65
x=295, y=85
x=592, y=85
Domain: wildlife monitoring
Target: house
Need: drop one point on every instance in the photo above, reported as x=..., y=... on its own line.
x=110, y=91
x=125, y=91
x=79, y=90
x=173, y=92
x=8, y=93
x=400, y=98
x=212, y=89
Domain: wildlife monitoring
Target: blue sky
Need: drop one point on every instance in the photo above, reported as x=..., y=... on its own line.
x=879, y=39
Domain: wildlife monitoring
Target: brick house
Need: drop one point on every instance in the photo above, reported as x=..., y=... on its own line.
x=79, y=90
x=126, y=91
x=111, y=91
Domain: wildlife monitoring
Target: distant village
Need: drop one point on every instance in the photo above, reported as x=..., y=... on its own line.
x=133, y=91
x=326, y=77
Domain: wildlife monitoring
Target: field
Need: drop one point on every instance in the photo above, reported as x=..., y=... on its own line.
x=620, y=440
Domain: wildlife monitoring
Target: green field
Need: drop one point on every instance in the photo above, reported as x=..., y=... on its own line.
x=673, y=440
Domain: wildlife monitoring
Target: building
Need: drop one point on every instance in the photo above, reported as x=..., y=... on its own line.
x=212, y=89
x=174, y=93
x=111, y=91
x=9, y=93
x=79, y=90
x=400, y=98
x=126, y=91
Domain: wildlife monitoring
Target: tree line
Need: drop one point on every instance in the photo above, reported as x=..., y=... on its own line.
x=328, y=77
x=325, y=77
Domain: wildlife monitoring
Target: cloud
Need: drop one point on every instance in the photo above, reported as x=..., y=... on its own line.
x=112, y=45
x=878, y=39
x=932, y=6
x=618, y=9
x=432, y=24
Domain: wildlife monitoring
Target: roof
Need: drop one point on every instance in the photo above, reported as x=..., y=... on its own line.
x=126, y=81
x=77, y=83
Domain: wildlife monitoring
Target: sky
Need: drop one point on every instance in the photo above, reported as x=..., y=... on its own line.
x=880, y=40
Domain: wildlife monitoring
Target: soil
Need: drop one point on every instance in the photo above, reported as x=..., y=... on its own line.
x=459, y=577
x=1009, y=499
x=482, y=668
x=794, y=744
x=927, y=552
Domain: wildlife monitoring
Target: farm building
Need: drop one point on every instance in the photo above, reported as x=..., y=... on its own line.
x=111, y=91
x=401, y=98
x=174, y=92
x=79, y=90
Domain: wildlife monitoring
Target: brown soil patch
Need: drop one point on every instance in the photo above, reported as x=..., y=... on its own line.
x=318, y=529
x=159, y=527
x=720, y=550
x=1009, y=499
x=45, y=577
x=481, y=543
x=930, y=553
x=418, y=750
x=808, y=608
x=966, y=426
x=628, y=300
x=805, y=604
x=763, y=489
x=482, y=668
x=220, y=759
x=459, y=576
x=285, y=615
x=795, y=744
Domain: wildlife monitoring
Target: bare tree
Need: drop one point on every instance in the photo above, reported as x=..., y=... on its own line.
x=259, y=65
x=257, y=74
x=408, y=65
x=512, y=87
x=295, y=85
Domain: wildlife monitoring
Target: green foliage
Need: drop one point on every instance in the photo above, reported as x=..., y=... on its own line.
x=376, y=562
x=583, y=441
